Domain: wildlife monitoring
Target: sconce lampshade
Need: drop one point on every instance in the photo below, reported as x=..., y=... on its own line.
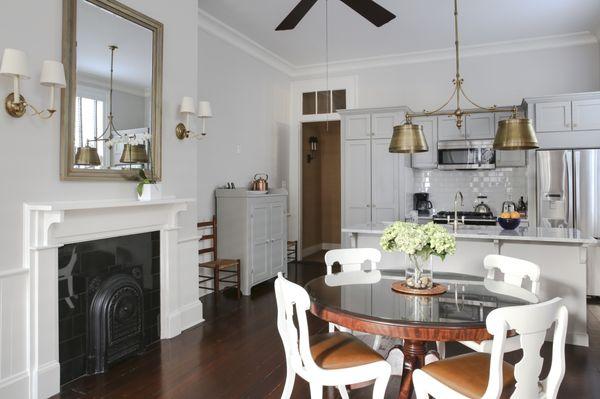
x=14, y=63
x=87, y=156
x=53, y=74
x=187, y=106
x=204, y=110
x=134, y=153
x=515, y=134
x=408, y=139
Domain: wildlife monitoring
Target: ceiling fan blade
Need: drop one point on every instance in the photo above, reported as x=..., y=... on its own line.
x=372, y=11
x=296, y=15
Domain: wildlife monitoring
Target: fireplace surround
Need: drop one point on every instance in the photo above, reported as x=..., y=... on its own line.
x=49, y=226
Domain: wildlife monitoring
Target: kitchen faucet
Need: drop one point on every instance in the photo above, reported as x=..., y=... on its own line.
x=456, y=196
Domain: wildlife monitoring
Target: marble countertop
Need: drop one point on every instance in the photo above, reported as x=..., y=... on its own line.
x=533, y=234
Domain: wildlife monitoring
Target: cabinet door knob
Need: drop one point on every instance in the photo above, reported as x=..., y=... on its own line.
x=374, y=206
x=574, y=124
x=368, y=206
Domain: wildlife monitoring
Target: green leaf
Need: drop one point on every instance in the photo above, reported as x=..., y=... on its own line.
x=143, y=175
x=140, y=188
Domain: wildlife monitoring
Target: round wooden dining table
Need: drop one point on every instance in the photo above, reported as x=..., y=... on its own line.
x=365, y=302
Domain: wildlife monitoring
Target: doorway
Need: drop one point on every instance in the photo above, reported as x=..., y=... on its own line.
x=321, y=187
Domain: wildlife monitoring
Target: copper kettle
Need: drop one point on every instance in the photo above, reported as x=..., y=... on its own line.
x=260, y=182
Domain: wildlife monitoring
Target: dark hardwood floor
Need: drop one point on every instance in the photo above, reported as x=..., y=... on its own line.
x=237, y=353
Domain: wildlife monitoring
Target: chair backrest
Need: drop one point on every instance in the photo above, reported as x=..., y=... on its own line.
x=212, y=226
x=292, y=298
x=514, y=270
x=352, y=259
x=531, y=323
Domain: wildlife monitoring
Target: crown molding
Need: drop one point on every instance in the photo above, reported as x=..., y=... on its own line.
x=479, y=50
x=225, y=32
x=234, y=37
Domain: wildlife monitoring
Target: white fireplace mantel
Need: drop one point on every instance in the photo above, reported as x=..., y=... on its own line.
x=50, y=225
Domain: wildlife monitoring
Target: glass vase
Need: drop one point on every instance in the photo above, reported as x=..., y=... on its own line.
x=419, y=272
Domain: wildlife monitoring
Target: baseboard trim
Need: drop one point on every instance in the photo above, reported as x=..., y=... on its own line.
x=318, y=247
x=191, y=315
x=16, y=386
x=48, y=380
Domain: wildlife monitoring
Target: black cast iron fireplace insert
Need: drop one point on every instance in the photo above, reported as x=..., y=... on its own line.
x=109, y=302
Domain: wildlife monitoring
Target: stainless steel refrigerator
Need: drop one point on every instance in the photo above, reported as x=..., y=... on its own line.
x=568, y=196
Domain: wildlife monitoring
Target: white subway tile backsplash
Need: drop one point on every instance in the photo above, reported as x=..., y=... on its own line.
x=500, y=185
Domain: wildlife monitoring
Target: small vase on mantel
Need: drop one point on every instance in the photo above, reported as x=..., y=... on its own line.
x=150, y=192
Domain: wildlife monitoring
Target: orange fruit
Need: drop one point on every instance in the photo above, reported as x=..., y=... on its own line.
x=515, y=215
x=505, y=215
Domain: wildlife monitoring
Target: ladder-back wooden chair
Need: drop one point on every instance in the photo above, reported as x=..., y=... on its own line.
x=224, y=270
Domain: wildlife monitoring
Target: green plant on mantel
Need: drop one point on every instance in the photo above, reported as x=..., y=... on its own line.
x=143, y=179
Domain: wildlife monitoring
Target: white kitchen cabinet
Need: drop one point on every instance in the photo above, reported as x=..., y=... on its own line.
x=429, y=159
x=357, y=127
x=509, y=159
x=385, y=168
x=253, y=228
x=356, y=170
x=586, y=114
x=383, y=124
x=447, y=130
x=553, y=116
x=480, y=126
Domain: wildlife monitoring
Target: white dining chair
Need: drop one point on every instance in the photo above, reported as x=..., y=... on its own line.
x=487, y=376
x=332, y=359
x=516, y=272
x=351, y=261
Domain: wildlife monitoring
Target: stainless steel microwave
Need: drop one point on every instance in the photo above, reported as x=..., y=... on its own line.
x=466, y=154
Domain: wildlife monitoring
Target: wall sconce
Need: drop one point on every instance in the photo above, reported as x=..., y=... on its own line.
x=182, y=131
x=313, y=142
x=15, y=65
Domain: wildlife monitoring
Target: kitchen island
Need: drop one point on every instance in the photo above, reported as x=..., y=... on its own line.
x=562, y=255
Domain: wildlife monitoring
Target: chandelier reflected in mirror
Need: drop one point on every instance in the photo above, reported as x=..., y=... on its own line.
x=134, y=146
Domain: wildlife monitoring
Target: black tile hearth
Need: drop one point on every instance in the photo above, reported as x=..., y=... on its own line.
x=83, y=267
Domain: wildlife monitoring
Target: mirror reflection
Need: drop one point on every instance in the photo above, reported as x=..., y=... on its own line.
x=113, y=104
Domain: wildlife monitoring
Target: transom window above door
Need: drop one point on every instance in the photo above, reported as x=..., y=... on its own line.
x=323, y=102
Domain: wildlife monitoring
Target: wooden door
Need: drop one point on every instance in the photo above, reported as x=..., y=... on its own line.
x=357, y=182
x=260, y=242
x=384, y=182
x=277, y=237
x=553, y=117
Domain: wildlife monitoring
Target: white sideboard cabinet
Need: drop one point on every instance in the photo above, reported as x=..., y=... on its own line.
x=253, y=228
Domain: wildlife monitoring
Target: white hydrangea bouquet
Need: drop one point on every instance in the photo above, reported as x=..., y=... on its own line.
x=419, y=243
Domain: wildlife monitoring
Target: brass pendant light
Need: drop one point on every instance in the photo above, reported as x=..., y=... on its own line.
x=134, y=153
x=408, y=139
x=87, y=156
x=513, y=134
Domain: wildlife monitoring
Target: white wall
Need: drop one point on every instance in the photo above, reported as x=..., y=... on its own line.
x=30, y=156
x=250, y=102
x=501, y=79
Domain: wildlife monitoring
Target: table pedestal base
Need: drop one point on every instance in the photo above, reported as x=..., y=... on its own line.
x=414, y=358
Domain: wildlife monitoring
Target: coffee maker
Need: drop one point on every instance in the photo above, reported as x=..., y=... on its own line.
x=422, y=204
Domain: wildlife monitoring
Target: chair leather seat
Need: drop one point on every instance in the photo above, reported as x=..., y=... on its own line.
x=220, y=263
x=468, y=374
x=340, y=350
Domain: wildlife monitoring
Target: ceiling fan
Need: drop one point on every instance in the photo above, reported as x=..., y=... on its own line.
x=372, y=11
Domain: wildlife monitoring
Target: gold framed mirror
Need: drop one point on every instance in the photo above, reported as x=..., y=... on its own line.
x=111, y=110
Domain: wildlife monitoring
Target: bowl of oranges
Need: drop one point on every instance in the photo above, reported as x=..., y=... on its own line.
x=509, y=220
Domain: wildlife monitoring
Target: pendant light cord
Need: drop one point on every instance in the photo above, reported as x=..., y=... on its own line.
x=329, y=94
